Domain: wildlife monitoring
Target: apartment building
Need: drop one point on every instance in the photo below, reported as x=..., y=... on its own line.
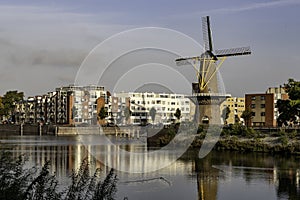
x=236, y=107
x=140, y=105
x=78, y=104
x=66, y=105
x=279, y=93
x=263, y=106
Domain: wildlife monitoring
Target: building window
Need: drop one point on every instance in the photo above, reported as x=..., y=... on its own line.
x=252, y=105
x=262, y=114
x=262, y=97
x=253, y=114
x=253, y=98
x=262, y=105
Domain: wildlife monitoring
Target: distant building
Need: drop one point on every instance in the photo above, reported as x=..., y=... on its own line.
x=140, y=105
x=279, y=93
x=78, y=104
x=262, y=108
x=236, y=106
x=68, y=105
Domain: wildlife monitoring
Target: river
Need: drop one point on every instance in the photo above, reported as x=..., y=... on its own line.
x=220, y=175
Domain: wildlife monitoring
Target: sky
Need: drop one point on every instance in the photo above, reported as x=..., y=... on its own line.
x=44, y=44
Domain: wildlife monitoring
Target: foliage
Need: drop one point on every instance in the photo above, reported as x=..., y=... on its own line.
x=289, y=109
x=293, y=89
x=152, y=113
x=8, y=102
x=127, y=113
x=74, y=112
x=177, y=113
x=102, y=113
x=225, y=113
x=247, y=116
x=17, y=183
x=240, y=130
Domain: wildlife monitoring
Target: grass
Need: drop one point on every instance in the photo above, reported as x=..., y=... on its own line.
x=18, y=183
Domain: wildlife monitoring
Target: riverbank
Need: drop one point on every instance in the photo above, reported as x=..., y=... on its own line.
x=242, y=140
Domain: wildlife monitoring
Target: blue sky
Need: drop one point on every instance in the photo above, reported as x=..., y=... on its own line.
x=43, y=43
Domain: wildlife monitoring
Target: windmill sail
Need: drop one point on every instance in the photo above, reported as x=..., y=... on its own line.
x=233, y=52
x=207, y=38
x=187, y=61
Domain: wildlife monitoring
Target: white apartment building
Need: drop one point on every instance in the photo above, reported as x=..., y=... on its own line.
x=279, y=93
x=82, y=102
x=140, y=105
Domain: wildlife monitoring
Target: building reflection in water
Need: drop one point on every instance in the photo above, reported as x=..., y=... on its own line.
x=280, y=172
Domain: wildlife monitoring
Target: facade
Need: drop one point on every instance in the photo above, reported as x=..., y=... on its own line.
x=262, y=108
x=81, y=105
x=140, y=105
x=236, y=106
x=279, y=93
x=66, y=105
x=78, y=104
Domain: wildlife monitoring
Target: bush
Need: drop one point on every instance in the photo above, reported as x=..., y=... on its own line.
x=17, y=183
x=284, y=140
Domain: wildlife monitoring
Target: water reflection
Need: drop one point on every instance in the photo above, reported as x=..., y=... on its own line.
x=220, y=175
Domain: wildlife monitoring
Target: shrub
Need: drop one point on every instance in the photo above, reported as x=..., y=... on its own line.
x=17, y=183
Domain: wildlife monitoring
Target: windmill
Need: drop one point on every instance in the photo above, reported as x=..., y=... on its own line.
x=206, y=90
x=208, y=60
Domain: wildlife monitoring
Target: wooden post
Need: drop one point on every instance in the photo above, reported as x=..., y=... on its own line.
x=21, y=129
x=40, y=129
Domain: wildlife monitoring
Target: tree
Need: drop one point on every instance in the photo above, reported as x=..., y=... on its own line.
x=177, y=113
x=225, y=113
x=9, y=101
x=247, y=116
x=127, y=113
x=293, y=89
x=152, y=113
x=289, y=110
x=74, y=112
x=102, y=113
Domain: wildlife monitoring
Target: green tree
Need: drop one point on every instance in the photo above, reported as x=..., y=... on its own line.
x=152, y=113
x=289, y=109
x=102, y=113
x=247, y=116
x=177, y=113
x=292, y=87
x=9, y=101
x=225, y=113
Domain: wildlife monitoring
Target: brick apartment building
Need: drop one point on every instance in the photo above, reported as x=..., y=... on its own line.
x=263, y=107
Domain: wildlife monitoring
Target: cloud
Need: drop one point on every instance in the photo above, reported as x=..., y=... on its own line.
x=253, y=6
x=42, y=48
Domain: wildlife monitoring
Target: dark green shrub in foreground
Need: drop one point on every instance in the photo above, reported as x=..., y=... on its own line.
x=18, y=183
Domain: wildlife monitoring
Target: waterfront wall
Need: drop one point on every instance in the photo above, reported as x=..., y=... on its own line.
x=27, y=129
x=36, y=129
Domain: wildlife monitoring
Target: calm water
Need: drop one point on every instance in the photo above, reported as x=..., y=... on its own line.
x=220, y=175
